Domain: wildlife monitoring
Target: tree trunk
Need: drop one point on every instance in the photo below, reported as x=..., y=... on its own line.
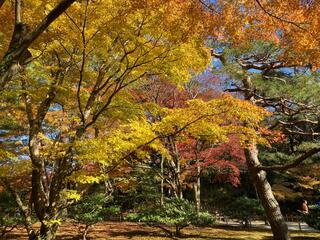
x=48, y=231
x=178, y=231
x=178, y=177
x=197, y=190
x=278, y=225
x=85, y=232
x=162, y=181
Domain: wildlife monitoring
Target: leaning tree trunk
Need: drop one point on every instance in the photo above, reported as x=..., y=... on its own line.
x=278, y=225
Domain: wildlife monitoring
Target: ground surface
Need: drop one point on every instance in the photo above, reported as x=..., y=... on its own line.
x=132, y=231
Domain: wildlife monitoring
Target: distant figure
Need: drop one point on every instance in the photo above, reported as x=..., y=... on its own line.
x=304, y=207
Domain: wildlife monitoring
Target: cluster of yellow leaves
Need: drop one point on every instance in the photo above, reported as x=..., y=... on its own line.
x=127, y=139
x=70, y=195
x=5, y=154
x=214, y=121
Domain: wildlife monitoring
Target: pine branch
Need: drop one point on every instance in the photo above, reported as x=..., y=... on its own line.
x=293, y=164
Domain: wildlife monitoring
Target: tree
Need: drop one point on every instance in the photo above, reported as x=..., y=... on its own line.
x=291, y=25
x=177, y=212
x=78, y=87
x=220, y=161
x=91, y=209
x=291, y=111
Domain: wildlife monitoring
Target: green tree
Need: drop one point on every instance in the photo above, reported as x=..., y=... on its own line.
x=91, y=209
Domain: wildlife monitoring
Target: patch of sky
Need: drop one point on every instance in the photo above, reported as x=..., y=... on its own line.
x=23, y=138
x=23, y=157
x=55, y=107
x=50, y=133
x=216, y=63
x=252, y=70
x=3, y=131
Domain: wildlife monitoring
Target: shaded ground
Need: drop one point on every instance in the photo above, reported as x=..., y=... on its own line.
x=293, y=226
x=133, y=231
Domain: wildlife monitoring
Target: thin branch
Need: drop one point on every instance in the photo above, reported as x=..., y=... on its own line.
x=208, y=6
x=298, y=25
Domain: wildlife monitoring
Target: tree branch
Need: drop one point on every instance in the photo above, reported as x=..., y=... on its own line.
x=293, y=164
x=15, y=52
x=2, y=2
x=298, y=25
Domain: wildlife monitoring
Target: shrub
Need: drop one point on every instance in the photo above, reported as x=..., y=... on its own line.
x=175, y=212
x=90, y=210
x=313, y=218
x=10, y=216
x=244, y=209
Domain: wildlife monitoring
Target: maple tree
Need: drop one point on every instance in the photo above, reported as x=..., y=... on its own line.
x=90, y=86
x=76, y=89
x=292, y=25
x=202, y=158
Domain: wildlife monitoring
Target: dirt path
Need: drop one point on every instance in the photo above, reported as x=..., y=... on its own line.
x=293, y=226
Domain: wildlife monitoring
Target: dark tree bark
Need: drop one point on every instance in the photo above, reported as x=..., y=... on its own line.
x=2, y=2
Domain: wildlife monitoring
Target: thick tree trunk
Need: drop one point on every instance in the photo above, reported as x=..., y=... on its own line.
x=278, y=225
x=259, y=177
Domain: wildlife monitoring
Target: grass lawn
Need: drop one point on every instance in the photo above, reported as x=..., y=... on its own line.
x=132, y=231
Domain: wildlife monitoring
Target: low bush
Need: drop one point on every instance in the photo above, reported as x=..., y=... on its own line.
x=174, y=212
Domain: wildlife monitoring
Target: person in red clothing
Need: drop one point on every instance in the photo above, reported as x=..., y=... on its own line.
x=304, y=207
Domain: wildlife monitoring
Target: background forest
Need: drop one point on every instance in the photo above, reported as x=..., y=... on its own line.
x=167, y=112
